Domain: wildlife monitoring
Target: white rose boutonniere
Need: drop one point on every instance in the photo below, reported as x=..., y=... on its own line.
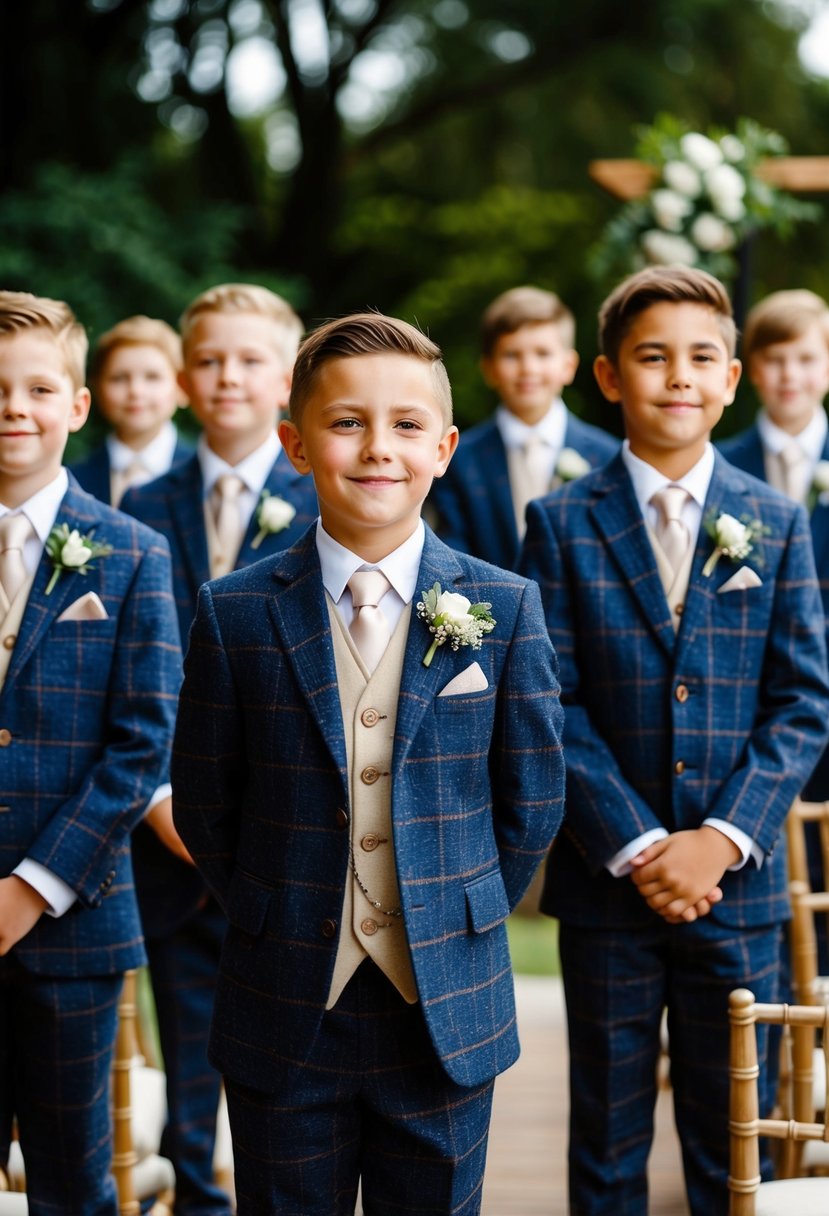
x=819, y=486
x=272, y=515
x=571, y=465
x=733, y=538
x=69, y=551
x=453, y=619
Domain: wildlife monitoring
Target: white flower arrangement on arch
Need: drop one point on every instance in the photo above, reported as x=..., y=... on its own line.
x=706, y=200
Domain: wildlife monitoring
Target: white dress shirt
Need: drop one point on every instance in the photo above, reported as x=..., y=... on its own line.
x=155, y=458
x=551, y=428
x=400, y=567
x=647, y=481
x=811, y=440
x=253, y=471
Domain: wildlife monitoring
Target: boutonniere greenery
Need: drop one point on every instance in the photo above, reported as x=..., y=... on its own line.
x=272, y=515
x=72, y=553
x=733, y=538
x=819, y=486
x=571, y=465
x=453, y=619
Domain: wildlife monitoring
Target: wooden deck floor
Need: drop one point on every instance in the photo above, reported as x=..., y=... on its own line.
x=527, y=1162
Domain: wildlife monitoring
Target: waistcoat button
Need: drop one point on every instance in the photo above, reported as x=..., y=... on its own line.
x=369, y=926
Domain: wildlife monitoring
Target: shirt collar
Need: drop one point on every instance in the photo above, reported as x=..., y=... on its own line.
x=400, y=567
x=42, y=508
x=156, y=457
x=253, y=470
x=647, y=480
x=551, y=428
x=811, y=439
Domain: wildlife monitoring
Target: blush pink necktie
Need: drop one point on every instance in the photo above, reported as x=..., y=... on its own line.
x=369, y=627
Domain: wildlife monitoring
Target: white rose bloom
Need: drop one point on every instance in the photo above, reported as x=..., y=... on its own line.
x=700, y=151
x=821, y=478
x=74, y=552
x=669, y=209
x=732, y=148
x=275, y=513
x=665, y=249
x=731, y=534
x=571, y=465
x=725, y=182
x=682, y=177
x=451, y=605
x=710, y=234
x=731, y=209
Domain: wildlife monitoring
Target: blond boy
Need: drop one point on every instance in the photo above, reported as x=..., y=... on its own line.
x=134, y=372
x=533, y=443
x=236, y=500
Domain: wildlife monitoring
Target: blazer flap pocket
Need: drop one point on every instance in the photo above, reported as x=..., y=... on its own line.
x=247, y=903
x=486, y=899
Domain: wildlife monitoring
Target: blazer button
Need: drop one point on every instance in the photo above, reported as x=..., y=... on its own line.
x=328, y=927
x=341, y=818
x=369, y=926
x=682, y=694
x=9, y=641
x=5, y=737
x=679, y=767
x=369, y=717
x=370, y=842
x=369, y=775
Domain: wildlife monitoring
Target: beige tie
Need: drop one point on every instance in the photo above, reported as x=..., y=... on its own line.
x=369, y=627
x=15, y=530
x=794, y=471
x=529, y=476
x=122, y=480
x=228, y=517
x=671, y=532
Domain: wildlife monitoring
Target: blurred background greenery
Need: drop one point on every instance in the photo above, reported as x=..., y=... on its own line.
x=416, y=156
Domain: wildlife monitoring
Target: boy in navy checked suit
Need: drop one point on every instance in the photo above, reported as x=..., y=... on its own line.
x=89, y=677
x=695, y=684
x=532, y=443
x=239, y=345
x=367, y=819
x=134, y=373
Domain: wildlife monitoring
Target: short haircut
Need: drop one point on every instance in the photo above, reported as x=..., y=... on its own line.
x=248, y=298
x=782, y=317
x=365, y=333
x=136, y=331
x=521, y=306
x=658, y=285
x=21, y=311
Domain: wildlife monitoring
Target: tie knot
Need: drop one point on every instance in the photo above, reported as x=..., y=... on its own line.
x=229, y=487
x=792, y=454
x=669, y=503
x=367, y=588
x=15, y=530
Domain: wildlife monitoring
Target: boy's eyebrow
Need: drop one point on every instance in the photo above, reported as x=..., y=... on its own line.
x=704, y=344
x=408, y=407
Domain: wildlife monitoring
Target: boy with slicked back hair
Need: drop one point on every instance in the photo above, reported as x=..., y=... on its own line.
x=236, y=500
x=89, y=673
x=368, y=770
x=532, y=443
x=681, y=597
x=134, y=373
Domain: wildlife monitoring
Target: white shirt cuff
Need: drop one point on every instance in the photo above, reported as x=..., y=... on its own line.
x=619, y=865
x=744, y=843
x=163, y=791
x=58, y=894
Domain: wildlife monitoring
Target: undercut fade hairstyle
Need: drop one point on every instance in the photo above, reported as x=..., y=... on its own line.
x=136, y=331
x=521, y=306
x=784, y=316
x=248, y=298
x=658, y=285
x=20, y=311
x=365, y=333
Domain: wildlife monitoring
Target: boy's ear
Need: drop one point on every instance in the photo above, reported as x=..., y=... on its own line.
x=487, y=371
x=285, y=388
x=446, y=450
x=570, y=365
x=184, y=384
x=607, y=378
x=291, y=440
x=735, y=369
x=79, y=410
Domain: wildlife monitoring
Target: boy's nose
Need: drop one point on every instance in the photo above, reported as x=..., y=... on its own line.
x=229, y=371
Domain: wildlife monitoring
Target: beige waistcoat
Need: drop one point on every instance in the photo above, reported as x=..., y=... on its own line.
x=369, y=709
x=10, y=624
x=675, y=584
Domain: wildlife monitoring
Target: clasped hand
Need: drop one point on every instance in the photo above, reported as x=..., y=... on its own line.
x=679, y=876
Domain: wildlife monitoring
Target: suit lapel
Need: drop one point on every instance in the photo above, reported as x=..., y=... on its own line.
x=300, y=615
x=619, y=519
x=493, y=460
x=186, y=505
x=418, y=684
x=754, y=460
x=819, y=522
x=281, y=482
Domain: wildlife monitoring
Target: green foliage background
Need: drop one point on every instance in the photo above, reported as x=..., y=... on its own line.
x=472, y=180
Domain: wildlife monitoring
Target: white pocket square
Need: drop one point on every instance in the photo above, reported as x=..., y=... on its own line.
x=471, y=679
x=87, y=608
x=741, y=581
